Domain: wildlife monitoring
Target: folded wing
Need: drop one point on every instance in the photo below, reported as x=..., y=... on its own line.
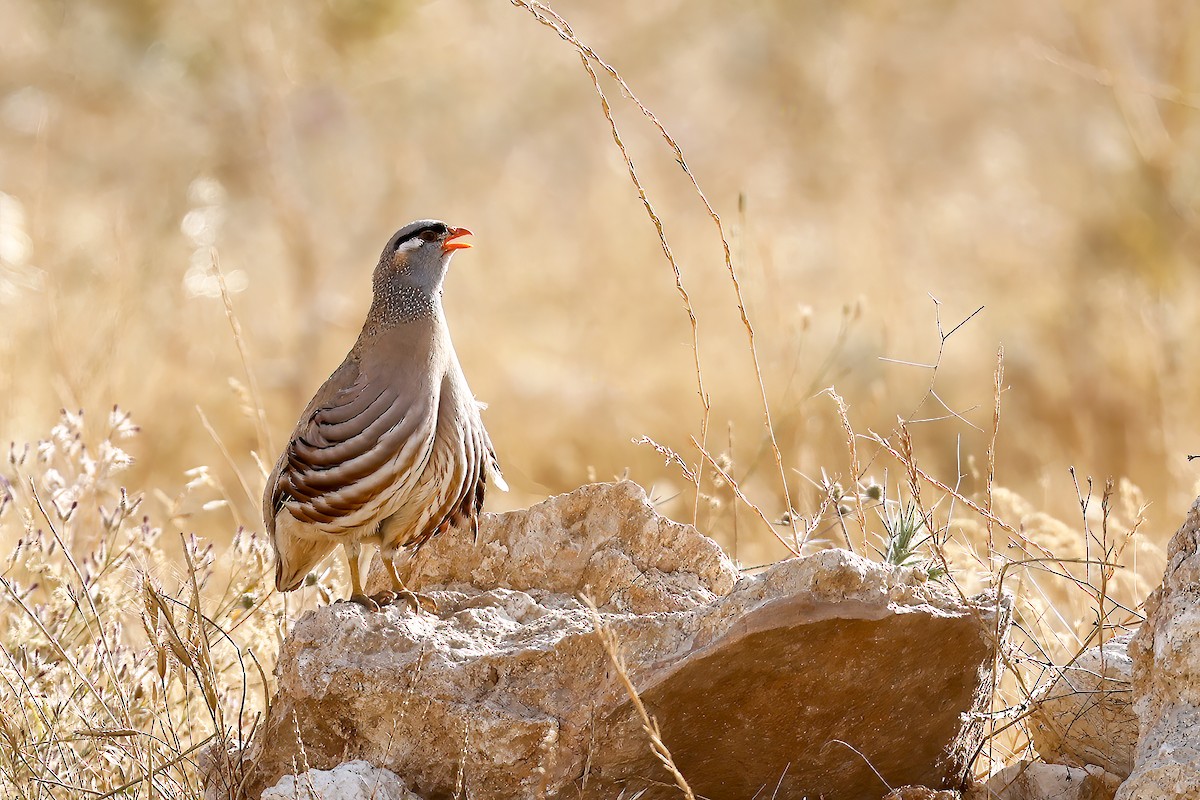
x=360, y=441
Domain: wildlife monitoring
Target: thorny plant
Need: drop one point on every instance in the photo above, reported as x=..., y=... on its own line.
x=905, y=533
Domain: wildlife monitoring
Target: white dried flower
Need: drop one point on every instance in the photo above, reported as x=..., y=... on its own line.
x=122, y=424
x=53, y=480
x=114, y=457
x=198, y=476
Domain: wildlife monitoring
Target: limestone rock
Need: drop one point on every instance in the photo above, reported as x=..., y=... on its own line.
x=353, y=780
x=1086, y=716
x=604, y=539
x=792, y=680
x=920, y=793
x=1166, y=677
x=1031, y=780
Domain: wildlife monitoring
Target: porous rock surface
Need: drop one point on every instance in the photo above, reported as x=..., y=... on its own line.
x=1166, y=677
x=604, y=539
x=792, y=679
x=354, y=780
x=1085, y=717
x=1030, y=780
x=921, y=793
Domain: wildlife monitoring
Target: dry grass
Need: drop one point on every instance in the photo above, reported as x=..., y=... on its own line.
x=1033, y=160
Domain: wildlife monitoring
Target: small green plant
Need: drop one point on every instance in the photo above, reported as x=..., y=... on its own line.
x=906, y=531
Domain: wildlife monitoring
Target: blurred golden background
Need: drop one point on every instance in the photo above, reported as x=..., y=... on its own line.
x=1037, y=159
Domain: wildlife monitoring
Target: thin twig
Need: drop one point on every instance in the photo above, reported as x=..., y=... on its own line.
x=738, y=493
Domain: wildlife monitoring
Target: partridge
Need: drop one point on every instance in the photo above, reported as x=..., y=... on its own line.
x=391, y=450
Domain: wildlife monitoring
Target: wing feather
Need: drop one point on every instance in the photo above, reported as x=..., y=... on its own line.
x=466, y=500
x=356, y=443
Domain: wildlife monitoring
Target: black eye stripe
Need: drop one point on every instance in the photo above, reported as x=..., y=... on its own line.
x=436, y=230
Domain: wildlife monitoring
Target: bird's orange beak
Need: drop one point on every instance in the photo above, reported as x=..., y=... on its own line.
x=451, y=245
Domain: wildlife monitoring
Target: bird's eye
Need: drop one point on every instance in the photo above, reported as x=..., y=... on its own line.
x=428, y=236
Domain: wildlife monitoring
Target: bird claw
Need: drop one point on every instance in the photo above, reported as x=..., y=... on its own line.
x=384, y=598
x=416, y=601
x=368, y=603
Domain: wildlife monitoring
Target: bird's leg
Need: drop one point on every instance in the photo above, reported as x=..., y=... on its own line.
x=356, y=591
x=400, y=591
x=386, y=597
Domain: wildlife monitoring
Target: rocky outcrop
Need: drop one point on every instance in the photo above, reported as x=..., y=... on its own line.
x=1086, y=716
x=604, y=540
x=1166, y=677
x=1029, y=780
x=354, y=780
x=811, y=678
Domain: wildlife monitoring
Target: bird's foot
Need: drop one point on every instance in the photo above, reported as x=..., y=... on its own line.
x=416, y=601
x=384, y=598
x=370, y=604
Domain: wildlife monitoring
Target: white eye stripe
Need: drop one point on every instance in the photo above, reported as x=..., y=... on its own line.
x=410, y=245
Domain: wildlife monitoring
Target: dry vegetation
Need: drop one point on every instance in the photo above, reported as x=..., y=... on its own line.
x=1029, y=158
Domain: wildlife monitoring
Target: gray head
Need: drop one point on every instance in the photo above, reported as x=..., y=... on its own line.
x=418, y=253
x=408, y=278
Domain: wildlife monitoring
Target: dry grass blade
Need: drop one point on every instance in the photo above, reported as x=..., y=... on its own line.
x=998, y=384
x=864, y=758
x=547, y=16
x=671, y=457
x=58, y=647
x=260, y=414
x=855, y=467
x=612, y=647
x=94, y=623
x=106, y=733
x=161, y=768
x=910, y=464
x=250, y=495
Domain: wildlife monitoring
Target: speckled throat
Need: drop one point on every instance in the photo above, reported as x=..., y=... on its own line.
x=396, y=301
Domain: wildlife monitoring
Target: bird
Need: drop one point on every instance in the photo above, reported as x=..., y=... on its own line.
x=391, y=450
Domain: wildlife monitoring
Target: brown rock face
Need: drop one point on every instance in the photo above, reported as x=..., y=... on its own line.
x=779, y=692
x=1166, y=677
x=507, y=692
